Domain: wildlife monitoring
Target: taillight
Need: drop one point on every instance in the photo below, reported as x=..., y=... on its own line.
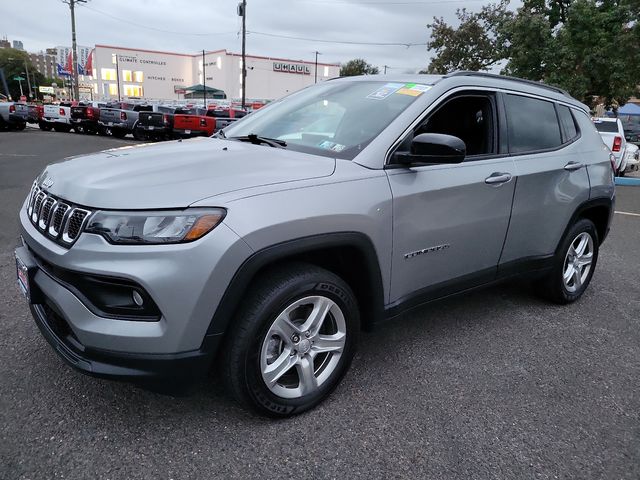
x=89, y=113
x=617, y=144
x=123, y=116
x=12, y=108
x=203, y=122
x=165, y=119
x=62, y=112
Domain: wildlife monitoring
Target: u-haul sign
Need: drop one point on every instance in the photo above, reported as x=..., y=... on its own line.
x=291, y=68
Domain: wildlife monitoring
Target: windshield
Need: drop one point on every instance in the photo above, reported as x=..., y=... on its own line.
x=334, y=119
x=607, y=127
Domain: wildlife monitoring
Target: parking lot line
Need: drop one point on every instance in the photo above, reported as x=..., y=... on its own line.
x=629, y=213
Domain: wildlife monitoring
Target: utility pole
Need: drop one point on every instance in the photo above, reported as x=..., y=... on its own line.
x=74, y=54
x=385, y=69
x=315, y=78
x=115, y=61
x=26, y=70
x=204, y=82
x=242, y=10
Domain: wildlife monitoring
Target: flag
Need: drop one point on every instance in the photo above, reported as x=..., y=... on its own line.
x=69, y=65
x=88, y=68
x=62, y=72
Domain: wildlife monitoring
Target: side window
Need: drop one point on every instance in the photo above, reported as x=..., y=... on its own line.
x=532, y=124
x=568, y=123
x=471, y=118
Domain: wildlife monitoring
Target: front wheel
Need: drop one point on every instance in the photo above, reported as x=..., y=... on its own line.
x=292, y=341
x=118, y=132
x=574, y=264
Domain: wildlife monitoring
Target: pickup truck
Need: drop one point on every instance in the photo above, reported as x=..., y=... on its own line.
x=197, y=122
x=85, y=116
x=226, y=116
x=158, y=125
x=612, y=133
x=34, y=113
x=121, y=118
x=13, y=116
x=57, y=117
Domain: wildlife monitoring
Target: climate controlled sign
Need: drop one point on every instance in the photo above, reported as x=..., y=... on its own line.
x=291, y=68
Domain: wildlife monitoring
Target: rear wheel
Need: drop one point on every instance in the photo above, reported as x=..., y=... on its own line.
x=44, y=126
x=20, y=126
x=292, y=341
x=139, y=134
x=574, y=264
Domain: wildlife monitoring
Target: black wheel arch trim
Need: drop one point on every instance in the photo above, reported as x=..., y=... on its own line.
x=289, y=250
x=607, y=202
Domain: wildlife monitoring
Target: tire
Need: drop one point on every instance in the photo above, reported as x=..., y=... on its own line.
x=138, y=134
x=44, y=126
x=118, y=133
x=621, y=173
x=20, y=126
x=255, y=343
x=553, y=286
x=62, y=128
x=79, y=129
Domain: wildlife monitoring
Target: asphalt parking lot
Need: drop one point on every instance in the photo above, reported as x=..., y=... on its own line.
x=495, y=384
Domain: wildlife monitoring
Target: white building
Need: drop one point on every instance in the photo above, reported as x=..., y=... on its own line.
x=159, y=75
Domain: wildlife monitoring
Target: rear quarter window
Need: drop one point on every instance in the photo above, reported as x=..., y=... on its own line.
x=568, y=123
x=532, y=124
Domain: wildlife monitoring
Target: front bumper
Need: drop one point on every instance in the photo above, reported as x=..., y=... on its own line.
x=186, y=282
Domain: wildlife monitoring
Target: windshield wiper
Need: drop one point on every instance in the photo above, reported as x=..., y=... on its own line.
x=220, y=134
x=258, y=140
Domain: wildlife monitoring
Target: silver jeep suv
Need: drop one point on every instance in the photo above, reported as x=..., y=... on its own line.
x=264, y=251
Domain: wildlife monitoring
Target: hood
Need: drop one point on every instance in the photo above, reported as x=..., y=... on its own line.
x=176, y=174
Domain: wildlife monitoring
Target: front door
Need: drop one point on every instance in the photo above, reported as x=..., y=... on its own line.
x=450, y=221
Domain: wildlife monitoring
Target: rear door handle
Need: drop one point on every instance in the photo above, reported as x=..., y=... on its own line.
x=497, y=178
x=571, y=166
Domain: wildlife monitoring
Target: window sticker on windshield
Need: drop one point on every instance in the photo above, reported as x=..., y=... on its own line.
x=413, y=89
x=384, y=92
x=336, y=147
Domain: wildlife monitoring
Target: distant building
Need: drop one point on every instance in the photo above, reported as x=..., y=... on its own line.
x=45, y=64
x=17, y=44
x=4, y=43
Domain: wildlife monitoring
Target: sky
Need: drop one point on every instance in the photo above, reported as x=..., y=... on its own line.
x=189, y=26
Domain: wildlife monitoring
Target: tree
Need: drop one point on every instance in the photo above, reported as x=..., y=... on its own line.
x=12, y=61
x=357, y=66
x=589, y=47
x=474, y=45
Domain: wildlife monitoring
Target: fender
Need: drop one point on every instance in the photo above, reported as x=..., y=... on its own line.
x=371, y=309
x=592, y=202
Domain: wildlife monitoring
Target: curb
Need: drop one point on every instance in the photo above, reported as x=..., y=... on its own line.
x=628, y=181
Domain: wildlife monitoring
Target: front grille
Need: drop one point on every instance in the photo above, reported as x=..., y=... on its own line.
x=59, y=220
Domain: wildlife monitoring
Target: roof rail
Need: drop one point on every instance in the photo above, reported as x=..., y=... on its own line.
x=469, y=73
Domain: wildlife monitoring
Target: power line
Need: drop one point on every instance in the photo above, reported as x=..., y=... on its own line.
x=343, y=42
x=153, y=28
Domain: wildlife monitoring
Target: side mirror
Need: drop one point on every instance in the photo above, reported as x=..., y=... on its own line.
x=433, y=148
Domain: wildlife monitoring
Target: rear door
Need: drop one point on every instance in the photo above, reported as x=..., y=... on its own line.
x=552, y=178
x=450, y=221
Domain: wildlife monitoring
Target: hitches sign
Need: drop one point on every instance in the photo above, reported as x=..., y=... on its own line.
x=291, y=68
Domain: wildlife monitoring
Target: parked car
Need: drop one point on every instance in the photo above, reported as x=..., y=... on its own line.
x=34, y=113
x=85, y=117
x=633, y=158
x=612, y=134
x=265, y=257
x=158, y=125
x=121, y=118
x=13, y=116
x=631, y=124
x=56, y=117
x=226, y=116
x=195, y=122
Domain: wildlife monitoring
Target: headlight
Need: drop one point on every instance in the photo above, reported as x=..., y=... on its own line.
x=168, y=226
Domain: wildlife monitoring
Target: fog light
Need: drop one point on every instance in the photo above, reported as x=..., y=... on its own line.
x=137, y=298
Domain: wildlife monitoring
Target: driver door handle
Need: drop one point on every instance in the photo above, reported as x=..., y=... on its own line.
x=571, y=166
x=497, y=178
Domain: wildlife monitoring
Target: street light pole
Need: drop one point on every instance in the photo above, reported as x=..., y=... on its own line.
x=114, y=60
x=26, y=70
x=204, y=81
x=242, y=10
x=315, y=79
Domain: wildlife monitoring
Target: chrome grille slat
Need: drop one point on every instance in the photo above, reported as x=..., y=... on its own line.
x=61, y=221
